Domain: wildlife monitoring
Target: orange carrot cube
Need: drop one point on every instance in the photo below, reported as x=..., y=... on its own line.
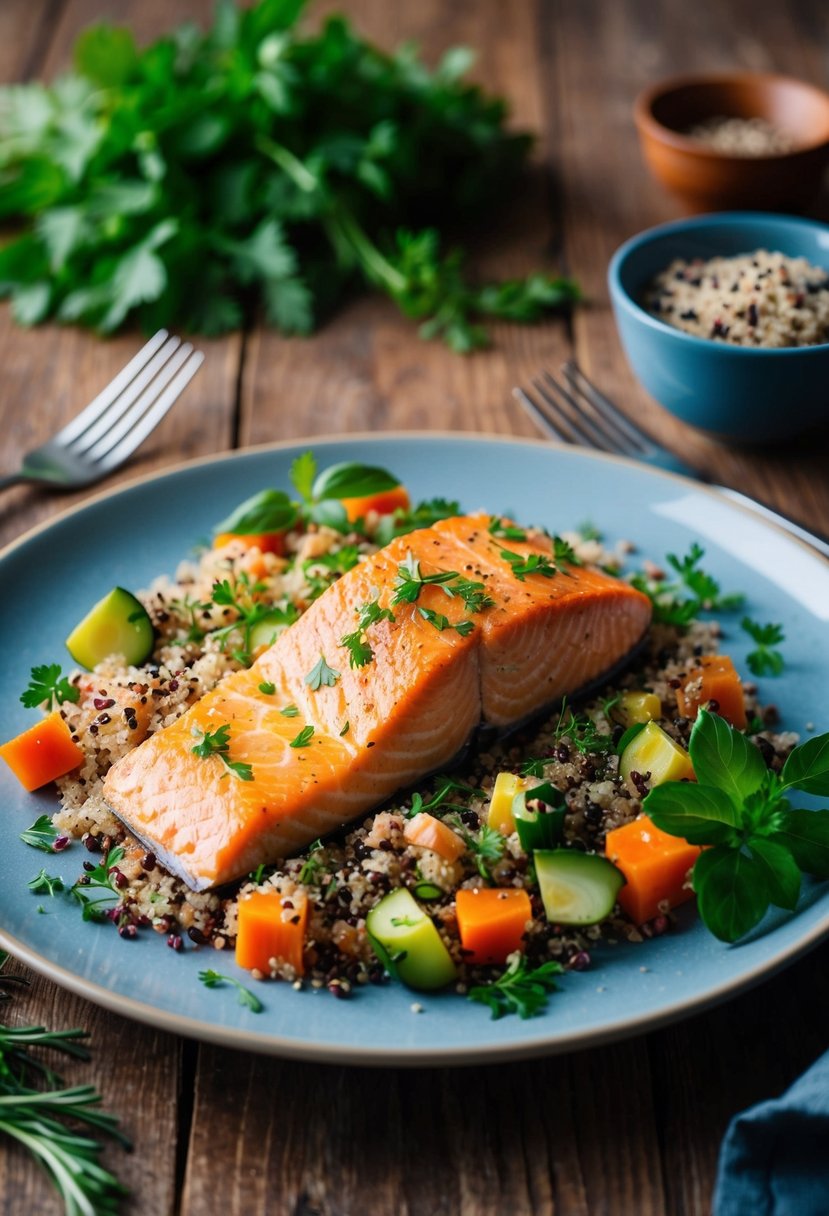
x=714, y=679
x=492, y=921
x=655, y=866
x=271, y=926
x=43, y=752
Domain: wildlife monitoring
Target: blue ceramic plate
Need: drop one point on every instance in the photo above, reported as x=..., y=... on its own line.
x=51, y=576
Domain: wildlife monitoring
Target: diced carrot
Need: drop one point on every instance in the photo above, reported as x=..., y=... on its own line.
x=383, y=503
x=428, y=832
x=271, y=926
x=491, y=922
x=265, y=542
x=42, y=753
x=655, y=866
x=713, y=679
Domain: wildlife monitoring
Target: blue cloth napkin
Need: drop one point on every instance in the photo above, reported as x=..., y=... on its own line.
x=774, y=1160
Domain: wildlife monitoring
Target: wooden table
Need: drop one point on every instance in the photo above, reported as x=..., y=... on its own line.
x=631, y=1128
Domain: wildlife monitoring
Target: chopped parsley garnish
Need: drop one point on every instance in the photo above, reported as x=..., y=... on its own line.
x=533, y=767
x=217, y=743
x=289, y=711
x=442, y=622
x=519, y=990
x=41, y=835
x=444, y=787
x=534, y=563
x=487, y=847
x=101, y=879
x=47, y=684
x=267, y=688
x=304, y=737
x=410, y=581
x=765, y=660
x=671, y=604
x=359, y=648
x=473, y=594
x=399, y=522
x=505, y=531
x=345, y=730
x=321, y=674
x=333, y=565
x=313, y=867
x=213, y=979
x=45, y=884
x=564, y=552
x=243, y=597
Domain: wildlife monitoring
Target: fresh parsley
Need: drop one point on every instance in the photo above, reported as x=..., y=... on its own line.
x=97, y=890
x=321, y=675
x=214, y=979
x=359, y=649
x=441, y=622
x=41, y=835
x=400, y=521
x=765, y=660
x=266, y=688
x=519, y=990
x=534, y=563
x=680, y=601
x=45, y=884
x=313, y=867
x=303, y=739
x=409, y=580
x=503, y=530
x=289, y=711
x=46, y=684
x=217, y=743
x=758, y=844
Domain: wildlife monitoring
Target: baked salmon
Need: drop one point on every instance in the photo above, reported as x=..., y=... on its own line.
x=466, y=629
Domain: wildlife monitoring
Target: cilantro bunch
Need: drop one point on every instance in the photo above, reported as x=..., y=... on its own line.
x=254, y=167
x=759, y=845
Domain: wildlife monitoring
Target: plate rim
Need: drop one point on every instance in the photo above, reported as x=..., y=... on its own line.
x=359, y=1055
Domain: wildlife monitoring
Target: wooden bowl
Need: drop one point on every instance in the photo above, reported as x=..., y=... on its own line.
x=706, y=179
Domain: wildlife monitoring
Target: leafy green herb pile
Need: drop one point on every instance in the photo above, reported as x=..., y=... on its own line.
x=759, y=844
x=34, y=1107
x=192, y=182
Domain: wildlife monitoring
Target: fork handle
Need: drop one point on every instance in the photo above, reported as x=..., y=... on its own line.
x=821, y=543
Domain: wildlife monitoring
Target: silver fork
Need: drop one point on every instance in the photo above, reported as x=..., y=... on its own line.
x=112, y=426
x=573, y=410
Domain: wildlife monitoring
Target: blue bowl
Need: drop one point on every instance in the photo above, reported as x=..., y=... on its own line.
x=749, y=394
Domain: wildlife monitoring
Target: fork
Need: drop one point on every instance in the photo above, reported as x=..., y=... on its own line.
x=574, y=411
x=112, y=426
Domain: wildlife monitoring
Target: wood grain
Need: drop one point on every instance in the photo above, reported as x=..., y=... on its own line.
x=628, y=1128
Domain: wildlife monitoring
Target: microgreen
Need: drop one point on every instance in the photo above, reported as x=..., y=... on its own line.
x=520, y=989
x=47, y=685
x=245, y=599
x=217, y=743
x=41, y=835
x=765, y=660
x=214, y=979
x=321, y=675
x=759, y=844
x=533, y=766
x=473, y=594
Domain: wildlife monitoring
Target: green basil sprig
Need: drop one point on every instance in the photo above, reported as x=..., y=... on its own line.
x=759, y=844
x=267, y=511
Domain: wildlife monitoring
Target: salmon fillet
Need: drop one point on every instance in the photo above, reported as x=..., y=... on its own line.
x=380, y=727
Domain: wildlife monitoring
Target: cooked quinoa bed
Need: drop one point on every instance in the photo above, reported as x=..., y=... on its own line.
x=344, y=877
x=755, y=299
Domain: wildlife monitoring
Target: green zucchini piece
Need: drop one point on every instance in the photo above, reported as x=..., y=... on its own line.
x=576, y=888
x=539, y=827
x=407, y=943
x=117, y=624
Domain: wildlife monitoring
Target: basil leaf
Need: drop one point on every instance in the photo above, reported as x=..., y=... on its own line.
x=781, y=871
x=722, y=756
x=267, y=511
x=701, y=814
x=806, y=835
x=331, y=513
x=349, y=480
x=732, y=895
x=303, y=472
x=807, y=768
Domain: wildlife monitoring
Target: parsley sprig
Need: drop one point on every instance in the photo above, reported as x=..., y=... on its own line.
x=217, y=743
x=765, y=660
x=680, y=601
x=446, y=788
x=520, y=989
x=533, y=563
x=46, y=684
x=41, y=835
x=410, y=580
x=321, y=675
x=214, y=979
x=759, y=844
x=96, y=891
x=360, y=651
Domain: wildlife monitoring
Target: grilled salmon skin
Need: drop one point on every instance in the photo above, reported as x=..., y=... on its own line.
x=542, y=630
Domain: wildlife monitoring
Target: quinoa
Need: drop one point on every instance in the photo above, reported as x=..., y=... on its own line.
x=757, y=299
x=747, y=137
x=337, y=882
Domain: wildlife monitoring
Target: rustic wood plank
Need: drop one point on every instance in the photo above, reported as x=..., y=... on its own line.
x=24, y=36
x=598, y=58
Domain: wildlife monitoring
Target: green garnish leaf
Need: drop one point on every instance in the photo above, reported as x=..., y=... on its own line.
x=267, y=511
x=564, y=553
x=442, y=622
x=672, y=603
x=519, y=990
x=725, y=758
x=345, y=730
x=303, y=473
x=267, y=689
x=782, y=873
x=806, y=835
x=400, y=522
x=503, y=530
x=304, y=737
x=535, y=563
x=45, y=884
x=765, y=660
x=289, y=711
x=214, y=979
x=702, y=814
x=321, y=675
x=807, y=767
x=41, y=835
x=217, y=743
x=349, y=480
x=732, y=892
x=410, y=581
x=47, y=684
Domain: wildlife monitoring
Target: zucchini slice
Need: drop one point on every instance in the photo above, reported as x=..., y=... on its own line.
x=117, y=624
x=576, y=888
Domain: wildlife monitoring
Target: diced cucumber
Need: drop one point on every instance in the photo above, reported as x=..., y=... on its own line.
x=266, y=630
x=541, y=826
x=407, y=943
x=117, y=624
x=576, y=888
